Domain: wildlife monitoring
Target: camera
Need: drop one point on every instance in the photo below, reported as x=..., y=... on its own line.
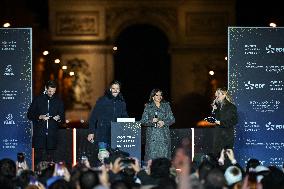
x=126, y=162
x=21, y=157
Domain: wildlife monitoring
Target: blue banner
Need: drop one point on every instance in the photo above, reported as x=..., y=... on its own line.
x=15, y=89
x=256, y=81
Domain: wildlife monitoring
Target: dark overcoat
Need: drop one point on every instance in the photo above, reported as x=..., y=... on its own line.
x=224, y=134
x=44, y=133
x=107, y=109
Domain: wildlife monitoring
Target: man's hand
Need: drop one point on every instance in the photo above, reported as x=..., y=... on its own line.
x=116, y=167
x=136, y=166
x=148, y=168
x=44, y=117
x=221, y=159
x=91, y=137
x=218, y=122
x=56, y=118
x=231, y=156
x=104, y=177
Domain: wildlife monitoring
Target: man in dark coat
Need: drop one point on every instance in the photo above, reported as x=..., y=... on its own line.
x=47, y=113
x=107, y=109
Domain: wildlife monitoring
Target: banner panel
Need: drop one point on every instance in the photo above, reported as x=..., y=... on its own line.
x=256, y=81
x=15, y=89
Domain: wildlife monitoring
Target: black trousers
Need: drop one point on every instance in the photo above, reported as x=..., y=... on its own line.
x=44, y=154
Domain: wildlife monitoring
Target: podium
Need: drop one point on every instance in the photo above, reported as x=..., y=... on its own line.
x=126, y=136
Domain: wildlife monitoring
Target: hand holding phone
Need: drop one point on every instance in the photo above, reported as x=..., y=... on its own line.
x=59, y=169
x=210, y=119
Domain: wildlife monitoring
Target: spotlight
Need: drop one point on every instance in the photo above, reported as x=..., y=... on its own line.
x=45, y=53
x=272, y=24
x=211, y=72
x=6, y=25
x=114, y=48
x=64, y=67
x=71, y=73
x=57, y=61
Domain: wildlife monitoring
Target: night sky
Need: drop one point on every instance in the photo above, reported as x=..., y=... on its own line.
x=248, y=12
x=259, y=13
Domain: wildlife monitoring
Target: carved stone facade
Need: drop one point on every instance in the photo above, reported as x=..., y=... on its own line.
x=196, y=30
x=77, y=23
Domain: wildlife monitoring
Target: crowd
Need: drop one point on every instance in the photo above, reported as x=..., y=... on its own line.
x=122, y=172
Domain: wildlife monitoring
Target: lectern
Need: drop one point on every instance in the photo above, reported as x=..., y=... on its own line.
x=127, y=137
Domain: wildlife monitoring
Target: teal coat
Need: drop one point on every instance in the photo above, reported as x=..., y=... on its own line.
x=158, y=141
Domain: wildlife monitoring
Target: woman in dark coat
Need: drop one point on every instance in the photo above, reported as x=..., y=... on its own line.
x=158, y=117
x=225, y=113
x=107, y=109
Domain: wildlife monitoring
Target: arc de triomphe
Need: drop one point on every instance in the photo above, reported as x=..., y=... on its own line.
x=196, y=30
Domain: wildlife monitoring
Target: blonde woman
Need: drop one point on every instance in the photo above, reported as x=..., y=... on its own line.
x=225, y=113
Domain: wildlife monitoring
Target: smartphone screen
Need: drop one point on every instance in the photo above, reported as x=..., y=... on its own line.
x=60, y=169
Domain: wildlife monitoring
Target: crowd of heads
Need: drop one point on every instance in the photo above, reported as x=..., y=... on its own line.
x=120, y=171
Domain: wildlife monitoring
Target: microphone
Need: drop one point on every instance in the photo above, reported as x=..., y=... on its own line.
x=214, y=103
x=156, y=116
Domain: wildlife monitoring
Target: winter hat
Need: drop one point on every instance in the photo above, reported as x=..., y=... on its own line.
x=260, y=171
x=233, y=174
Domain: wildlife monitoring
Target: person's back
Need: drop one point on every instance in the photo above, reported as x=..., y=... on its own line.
x=7, y=173
x=274, y=179
x=160, y=169
x=120, y=184
x=215, y=179
x=8, y=168
x=89, y=179
x=59, y=184
x=24, y=178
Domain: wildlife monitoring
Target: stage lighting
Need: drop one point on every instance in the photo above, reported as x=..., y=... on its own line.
x=6, y=25
x=57, y=61
x=272, y=25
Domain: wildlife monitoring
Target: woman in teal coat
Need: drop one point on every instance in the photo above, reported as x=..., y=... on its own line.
x=157, y=117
